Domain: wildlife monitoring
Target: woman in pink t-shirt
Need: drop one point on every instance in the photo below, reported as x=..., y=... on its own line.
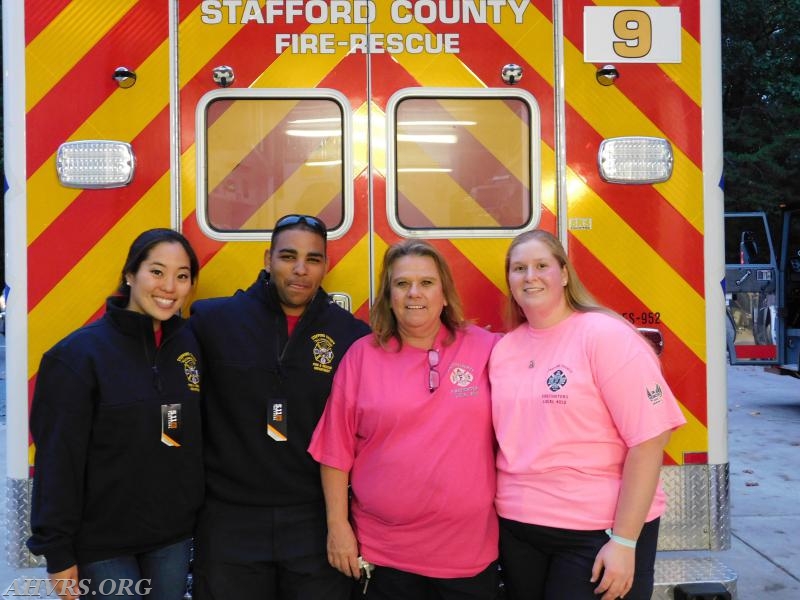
x=408, y=425
x=582, y=414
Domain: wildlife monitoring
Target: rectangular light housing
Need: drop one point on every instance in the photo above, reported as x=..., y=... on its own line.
x=635, y=160
x=95, y=164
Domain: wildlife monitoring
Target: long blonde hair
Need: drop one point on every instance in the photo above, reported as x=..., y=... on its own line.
x=382, y=318
x=577, y=296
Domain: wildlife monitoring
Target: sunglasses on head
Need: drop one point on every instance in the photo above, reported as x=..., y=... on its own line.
x=292, y=220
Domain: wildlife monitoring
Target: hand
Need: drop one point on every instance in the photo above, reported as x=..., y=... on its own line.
x=66, y=583
x=617, y=563
x=343, y=549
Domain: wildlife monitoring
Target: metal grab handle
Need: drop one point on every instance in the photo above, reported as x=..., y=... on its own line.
x=744, y=277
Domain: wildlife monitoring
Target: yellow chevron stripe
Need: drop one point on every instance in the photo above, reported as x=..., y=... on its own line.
x=199, y=42
x=615, y=244
x=534, y=41
x=96, y=276
x=188, y=182
x=122, y=116
x=686, y=74
x=549, y=183
x=65, y=40
x=306, y=70
x=488, y=257
x=351, y=273
x=362, y=126
x=692, y=437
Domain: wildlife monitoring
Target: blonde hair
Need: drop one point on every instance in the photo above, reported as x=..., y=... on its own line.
x=382, y=318
x=577, y=296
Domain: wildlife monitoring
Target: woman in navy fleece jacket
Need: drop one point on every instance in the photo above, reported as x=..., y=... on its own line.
x=116, y=423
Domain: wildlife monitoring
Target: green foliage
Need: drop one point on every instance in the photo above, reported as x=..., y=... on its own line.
x=761, y=103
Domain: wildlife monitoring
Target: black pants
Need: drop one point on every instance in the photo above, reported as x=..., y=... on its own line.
x=264, y=553
x=392, y=584
x=547, y=563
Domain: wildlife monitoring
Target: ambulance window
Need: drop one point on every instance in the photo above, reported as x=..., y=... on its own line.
x=466, y=164
x=270, y=156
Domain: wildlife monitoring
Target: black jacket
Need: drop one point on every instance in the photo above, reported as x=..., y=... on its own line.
x=250, y=363
x=105, y=484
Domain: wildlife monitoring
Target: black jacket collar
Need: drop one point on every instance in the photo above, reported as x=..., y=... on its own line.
x=133, y=323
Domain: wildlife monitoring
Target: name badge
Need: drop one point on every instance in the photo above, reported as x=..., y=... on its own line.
x=277, y=425
x=171, y=425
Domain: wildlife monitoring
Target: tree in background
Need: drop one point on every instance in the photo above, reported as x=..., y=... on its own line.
x=761, y=103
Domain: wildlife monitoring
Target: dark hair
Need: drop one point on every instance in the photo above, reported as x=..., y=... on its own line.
x=304, y=223
x=140, y=250
x=578, y=297
x=381, y=317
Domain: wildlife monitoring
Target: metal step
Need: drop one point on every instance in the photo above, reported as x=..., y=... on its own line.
x=674, y=571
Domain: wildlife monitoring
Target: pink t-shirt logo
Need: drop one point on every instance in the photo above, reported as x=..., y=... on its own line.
x=556, y=381
x=460, y=377
x=656, y=395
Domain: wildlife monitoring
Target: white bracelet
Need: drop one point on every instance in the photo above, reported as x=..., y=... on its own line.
x=621, y=540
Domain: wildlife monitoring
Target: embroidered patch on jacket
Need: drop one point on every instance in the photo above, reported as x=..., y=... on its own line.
x=656, y=395
x=189, y=362
x=323, y=352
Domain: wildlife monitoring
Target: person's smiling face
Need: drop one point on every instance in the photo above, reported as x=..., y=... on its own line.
x=417, y=296
x=536, y=280
x=162, y=282
x=296, y=262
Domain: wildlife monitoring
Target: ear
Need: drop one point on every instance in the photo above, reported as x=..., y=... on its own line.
x=267, y=258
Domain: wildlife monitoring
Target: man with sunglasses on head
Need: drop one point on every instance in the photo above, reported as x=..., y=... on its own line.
x=270, y=352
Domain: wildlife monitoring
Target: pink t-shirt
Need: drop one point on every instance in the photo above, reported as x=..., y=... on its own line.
x=567, y=403
x=421, y=464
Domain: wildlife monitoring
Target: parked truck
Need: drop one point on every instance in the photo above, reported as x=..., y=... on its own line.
x=464, y=122
x=762, y=290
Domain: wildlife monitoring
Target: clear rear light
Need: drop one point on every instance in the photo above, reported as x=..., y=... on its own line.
x=95, y=164
x=635, y=160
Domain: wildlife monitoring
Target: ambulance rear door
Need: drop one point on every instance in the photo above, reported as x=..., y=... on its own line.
x=387, y=120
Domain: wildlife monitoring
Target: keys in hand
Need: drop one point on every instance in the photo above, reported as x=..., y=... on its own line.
x=366, y=573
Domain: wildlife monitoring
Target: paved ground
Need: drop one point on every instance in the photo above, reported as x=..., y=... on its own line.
x=764, y=449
